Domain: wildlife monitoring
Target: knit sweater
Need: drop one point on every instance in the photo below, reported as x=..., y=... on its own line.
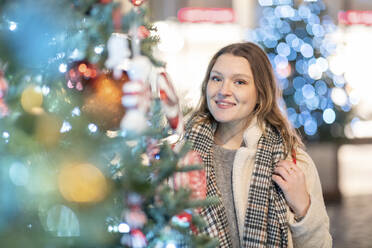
x=223, y=161
x=313, y=230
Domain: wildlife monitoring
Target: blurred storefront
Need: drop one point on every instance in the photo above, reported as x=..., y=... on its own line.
x=352, y=60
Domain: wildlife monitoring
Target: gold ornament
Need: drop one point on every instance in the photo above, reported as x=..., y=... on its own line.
x=32, y=99
x=102, y=101
x=83, y=183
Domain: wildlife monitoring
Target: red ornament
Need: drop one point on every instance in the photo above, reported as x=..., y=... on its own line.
x=3, y=108
x=143, y=32
x=174, y=121
x=105, y=1
x=184, y=220
x=3, y=85
x=138, y=238
x=135, y=218
x=137, y=3
x=79, y=74
x=185, y=217
x=3, y=91
x=116, y=18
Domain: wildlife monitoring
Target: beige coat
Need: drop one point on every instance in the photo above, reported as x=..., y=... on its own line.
x=313, y=230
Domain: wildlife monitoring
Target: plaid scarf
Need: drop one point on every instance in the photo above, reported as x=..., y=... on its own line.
x=266, y=215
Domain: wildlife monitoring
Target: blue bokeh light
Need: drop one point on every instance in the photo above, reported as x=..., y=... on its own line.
x=329, y=116
x=284, y=11
x=298, y=37
x=321, y=87
x=309, y=29
x=323, y=102
x=280, y=61
x=283, y=49
x=310, y=126
x=339, y=81
x=307, y=50
x=283, y=83
x=308, y=91
x=270, y=43
x=346, y=107
x=301, y=66
x=292, y=56
x=283, y=27
x=304, y=12
x=304, y=116
x=313, y=19
x=296, y=44
x=318, y=30
x=265, y=2
x=312, y=103
x=298, y=82
x=289, y=38
x=298, y=97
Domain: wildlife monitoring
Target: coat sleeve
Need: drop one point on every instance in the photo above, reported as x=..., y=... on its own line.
x=313, y=230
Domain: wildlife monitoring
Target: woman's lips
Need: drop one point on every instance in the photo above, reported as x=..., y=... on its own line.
x=224, y=104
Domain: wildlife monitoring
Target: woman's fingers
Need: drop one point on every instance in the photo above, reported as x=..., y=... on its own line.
x=287, y=170
x=282, y=172
x=291, y=180
x=280, y=181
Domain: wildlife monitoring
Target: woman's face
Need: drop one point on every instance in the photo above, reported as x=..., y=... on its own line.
x=231, y=92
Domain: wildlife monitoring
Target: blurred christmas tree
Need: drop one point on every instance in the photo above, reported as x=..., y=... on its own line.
x=296, y=38
x=84, y=154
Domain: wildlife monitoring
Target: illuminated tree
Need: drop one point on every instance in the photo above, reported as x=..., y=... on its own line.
x=295, y=36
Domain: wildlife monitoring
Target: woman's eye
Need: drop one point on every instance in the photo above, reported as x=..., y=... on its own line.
x=214, y=78
x=240, y=82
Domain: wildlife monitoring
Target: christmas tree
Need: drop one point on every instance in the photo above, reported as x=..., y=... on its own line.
x=86, y=154
x=295, y=34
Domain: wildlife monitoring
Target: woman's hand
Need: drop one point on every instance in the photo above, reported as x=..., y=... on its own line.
x=291, y=180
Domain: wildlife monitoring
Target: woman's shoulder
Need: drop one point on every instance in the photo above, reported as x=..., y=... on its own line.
x=305, y=161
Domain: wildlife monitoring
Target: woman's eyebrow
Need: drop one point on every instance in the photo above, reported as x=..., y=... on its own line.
x=234, y=75
x=216, y=72
x=242, y=75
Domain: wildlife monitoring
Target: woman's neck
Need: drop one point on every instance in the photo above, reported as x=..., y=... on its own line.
x=229, y=137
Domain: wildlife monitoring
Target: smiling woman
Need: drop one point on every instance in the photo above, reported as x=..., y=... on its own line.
x=231, y=94
x=268, y=186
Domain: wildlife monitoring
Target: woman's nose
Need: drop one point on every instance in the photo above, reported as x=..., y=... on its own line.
x=225, y=88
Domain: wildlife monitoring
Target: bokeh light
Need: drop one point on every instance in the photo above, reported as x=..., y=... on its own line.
x=310, y=126
x=123, y=228
x=308, y=91
x=339, y=96
x=307, y=50
x=66, y=127
x=82, y=182
x=329, y=116
x=303, y=63
x=62, y=221
x=32, y=99
x=19, y=174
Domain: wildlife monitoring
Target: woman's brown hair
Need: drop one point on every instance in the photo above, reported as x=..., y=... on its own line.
x=268, y=93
